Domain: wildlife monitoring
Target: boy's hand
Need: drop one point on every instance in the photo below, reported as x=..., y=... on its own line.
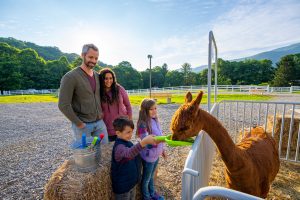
x=159, y=141
x=148, y=140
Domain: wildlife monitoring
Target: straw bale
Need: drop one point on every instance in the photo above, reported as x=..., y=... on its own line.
x=68, y=183
x=286, y=129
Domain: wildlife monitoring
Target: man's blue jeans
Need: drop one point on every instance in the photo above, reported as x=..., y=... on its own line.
x=148, y=189
x=91, y=129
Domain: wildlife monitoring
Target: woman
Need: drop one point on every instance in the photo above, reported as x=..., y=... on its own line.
x=114, y=100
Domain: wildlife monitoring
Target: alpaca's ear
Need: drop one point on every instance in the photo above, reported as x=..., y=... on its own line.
x=198, y=98
x=188, y=97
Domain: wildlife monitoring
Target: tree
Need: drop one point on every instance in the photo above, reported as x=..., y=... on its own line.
x=164, y=70
x=174, y=78
x=55, y=71
x=288, y=71
x=32, y=68
x=157, y=77
x=127, y=76
x=10, y=76
x=186, y=70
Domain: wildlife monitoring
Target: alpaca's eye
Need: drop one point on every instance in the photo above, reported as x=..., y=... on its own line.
x=184, y=128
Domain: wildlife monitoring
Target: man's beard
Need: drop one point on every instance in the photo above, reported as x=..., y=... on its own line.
x=90, y=65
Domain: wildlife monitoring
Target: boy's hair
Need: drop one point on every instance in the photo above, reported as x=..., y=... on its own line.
x=121, y=122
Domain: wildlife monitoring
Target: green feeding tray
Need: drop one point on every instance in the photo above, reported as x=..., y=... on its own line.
x=174, y=143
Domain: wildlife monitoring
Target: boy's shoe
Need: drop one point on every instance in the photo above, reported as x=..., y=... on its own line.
x=157, y=197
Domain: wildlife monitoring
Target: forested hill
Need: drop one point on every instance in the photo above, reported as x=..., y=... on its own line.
x=275, y=54
x=48, y=53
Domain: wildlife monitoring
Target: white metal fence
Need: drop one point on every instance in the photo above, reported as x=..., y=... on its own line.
x=249, y=89
x=30, y=91
x=280, y=119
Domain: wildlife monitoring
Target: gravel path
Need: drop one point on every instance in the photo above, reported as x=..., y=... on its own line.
x=35, y=141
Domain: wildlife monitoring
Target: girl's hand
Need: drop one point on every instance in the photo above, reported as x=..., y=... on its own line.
x=164, y=155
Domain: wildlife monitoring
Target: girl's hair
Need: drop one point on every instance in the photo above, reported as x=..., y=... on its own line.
x=144, y=116
x=114, y=87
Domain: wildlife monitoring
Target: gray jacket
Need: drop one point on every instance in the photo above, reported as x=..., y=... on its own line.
x=77, y=101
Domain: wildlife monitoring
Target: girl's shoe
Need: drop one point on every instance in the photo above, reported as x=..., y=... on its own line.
x=157, y=197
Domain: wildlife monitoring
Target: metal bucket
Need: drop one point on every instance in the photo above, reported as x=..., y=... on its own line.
x=87, y=160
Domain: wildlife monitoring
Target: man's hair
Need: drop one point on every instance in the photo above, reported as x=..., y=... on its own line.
x=87, y=47
x=121, y=122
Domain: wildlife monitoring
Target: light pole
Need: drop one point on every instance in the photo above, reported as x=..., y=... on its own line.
x=150, y=56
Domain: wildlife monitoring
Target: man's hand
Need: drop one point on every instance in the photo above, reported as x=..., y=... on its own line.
x=81, y=125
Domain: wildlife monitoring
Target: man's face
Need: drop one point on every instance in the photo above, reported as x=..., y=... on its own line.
x=90, y=58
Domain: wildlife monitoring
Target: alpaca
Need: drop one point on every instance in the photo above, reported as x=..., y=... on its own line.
x=251, y=165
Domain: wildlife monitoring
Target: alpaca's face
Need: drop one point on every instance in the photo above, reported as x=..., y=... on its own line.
x=184, y=123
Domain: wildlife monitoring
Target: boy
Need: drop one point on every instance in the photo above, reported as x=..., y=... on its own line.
x=125, y=162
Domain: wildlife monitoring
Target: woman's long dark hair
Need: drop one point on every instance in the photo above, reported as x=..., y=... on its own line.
x=114, y=87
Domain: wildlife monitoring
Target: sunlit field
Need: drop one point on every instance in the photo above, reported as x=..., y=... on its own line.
x=134, y=99
x=42, y=98
x=179, y=98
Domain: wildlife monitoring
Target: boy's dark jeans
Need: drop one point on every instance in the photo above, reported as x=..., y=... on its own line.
x=126, y=196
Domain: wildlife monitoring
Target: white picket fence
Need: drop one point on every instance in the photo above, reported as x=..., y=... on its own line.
x=249, y=89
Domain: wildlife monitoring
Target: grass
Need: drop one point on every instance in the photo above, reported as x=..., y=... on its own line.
x=42, y=98
x=179, y=98
x=134, y=99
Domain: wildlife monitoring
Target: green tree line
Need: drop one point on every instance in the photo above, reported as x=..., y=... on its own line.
x=25, y=69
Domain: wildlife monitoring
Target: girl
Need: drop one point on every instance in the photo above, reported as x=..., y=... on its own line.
x=114, y=101
x=148, y=124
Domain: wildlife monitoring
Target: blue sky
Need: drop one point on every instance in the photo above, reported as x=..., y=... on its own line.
x=173, y=31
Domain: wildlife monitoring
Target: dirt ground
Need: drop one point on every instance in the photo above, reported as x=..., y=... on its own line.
x=285, y=186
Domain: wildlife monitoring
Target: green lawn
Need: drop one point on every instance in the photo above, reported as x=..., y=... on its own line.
x=28, y=98
x=179, y=98
x=134, y=99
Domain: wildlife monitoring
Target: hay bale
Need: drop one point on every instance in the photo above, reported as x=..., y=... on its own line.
x=286, y=129
x=67, y=183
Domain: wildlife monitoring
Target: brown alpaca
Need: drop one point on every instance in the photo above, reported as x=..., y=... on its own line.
x=251, y=165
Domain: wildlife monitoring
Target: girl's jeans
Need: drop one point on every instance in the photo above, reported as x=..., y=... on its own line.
x=148, y=189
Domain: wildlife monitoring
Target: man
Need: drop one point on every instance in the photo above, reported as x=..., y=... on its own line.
x=79, y=98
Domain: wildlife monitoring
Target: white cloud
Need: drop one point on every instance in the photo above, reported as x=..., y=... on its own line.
x=253, y=27
x=249, y=28
x=177, y=50
x=115, y=44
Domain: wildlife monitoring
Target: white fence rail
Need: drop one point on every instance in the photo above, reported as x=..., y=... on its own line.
x=198, y=164
x=29, y=91
x=250, y=89
x=279, y=119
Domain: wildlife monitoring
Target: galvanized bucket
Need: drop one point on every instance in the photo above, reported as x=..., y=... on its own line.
x=86, y=160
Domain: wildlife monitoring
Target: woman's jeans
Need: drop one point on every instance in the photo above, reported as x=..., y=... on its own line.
x=148, y=189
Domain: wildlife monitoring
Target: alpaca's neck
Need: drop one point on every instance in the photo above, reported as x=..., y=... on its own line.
x=219, y=135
